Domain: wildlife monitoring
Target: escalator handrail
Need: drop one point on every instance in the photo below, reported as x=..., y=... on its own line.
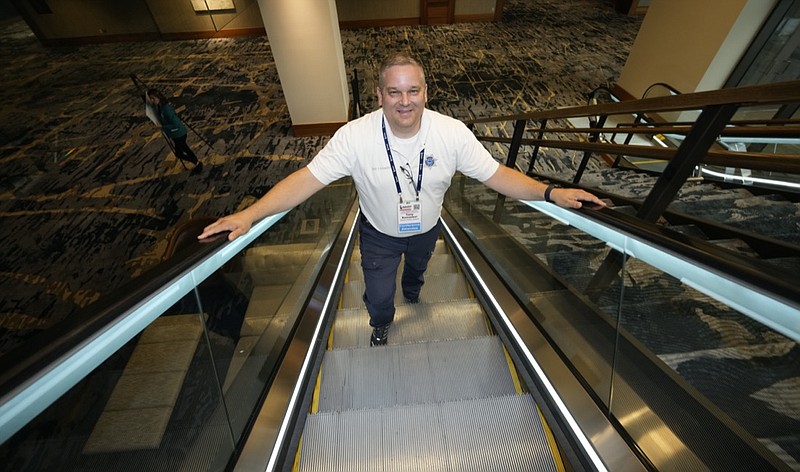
x=583, y=429
x=672, y=90
x=771, y=299
x=674, y=390
x=777, y=245
x=747, y=270
x=275, y=425
x=38, y=372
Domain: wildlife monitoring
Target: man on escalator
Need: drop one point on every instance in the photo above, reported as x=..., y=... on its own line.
x=401, y=158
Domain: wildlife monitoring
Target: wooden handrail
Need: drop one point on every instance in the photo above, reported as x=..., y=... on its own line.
x=778, y=93
x=715, y=103
x=734, y=131
x=788, y=163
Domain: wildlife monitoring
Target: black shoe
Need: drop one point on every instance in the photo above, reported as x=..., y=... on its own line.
x=412, y=300
x=379, y=336
x=197, y=168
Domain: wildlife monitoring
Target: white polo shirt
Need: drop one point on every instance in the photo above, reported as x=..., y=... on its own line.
x=357, y=149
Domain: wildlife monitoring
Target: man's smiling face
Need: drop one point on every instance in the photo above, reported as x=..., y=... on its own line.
x=402, y=96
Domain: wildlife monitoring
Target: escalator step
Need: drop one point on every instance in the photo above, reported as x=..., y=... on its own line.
x=437, y=288
x=490, y=434
x=413, y=323
x=414, y=373
x=439, y=264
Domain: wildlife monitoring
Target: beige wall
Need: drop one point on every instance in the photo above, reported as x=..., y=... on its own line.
x=475, y=7
x=307, y=47
x=180, y=17
x=358, y=10
x=174, y=17
x=691, y=45
x=82, y=18
x=248, y=17
x=355, y=10
x=98, y=18
x=736, y=43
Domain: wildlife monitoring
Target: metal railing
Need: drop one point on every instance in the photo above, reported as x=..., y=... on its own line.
x=716, y=118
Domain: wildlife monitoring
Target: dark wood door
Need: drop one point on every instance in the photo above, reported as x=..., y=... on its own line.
x=436, y=12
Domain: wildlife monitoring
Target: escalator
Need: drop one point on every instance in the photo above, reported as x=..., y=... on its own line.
x=358, y=430
x=663, y=325
x=505, y=365
x=184, y=394
x=443, y=394
x=440, y=396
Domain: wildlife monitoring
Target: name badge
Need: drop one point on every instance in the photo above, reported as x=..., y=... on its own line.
x=409, y=218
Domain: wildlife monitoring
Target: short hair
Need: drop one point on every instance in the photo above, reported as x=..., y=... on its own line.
x=157, y=93
x=398, y=59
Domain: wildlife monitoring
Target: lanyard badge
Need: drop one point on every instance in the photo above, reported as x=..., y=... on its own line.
x=409, y=217
x=409, y=214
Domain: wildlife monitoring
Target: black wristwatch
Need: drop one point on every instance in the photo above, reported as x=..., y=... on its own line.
x=547, y=193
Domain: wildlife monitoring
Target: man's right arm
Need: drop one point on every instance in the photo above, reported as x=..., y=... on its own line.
x=286, y=194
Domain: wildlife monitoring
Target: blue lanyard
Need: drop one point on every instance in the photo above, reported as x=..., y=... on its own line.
x=394, y=171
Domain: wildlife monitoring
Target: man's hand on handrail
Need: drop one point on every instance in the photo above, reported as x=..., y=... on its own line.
x=237, y=224
x=575, y=198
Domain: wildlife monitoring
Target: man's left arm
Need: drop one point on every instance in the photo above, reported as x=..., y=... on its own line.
x=514, y=184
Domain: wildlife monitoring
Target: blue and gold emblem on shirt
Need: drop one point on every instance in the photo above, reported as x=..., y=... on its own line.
x=430, y=161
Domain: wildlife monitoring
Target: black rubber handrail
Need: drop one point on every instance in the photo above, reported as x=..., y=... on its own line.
x=764, y=246
x=680, y=393
x=747, y=271
x=34, y=355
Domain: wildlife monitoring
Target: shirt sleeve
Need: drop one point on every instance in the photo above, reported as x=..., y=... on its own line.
x=473, y=159
x=335, y=160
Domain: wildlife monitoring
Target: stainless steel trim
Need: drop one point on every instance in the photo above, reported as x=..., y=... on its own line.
x=602, y=443
x=272, y=427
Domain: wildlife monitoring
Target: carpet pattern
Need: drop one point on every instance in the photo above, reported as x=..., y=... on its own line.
x=90, y=189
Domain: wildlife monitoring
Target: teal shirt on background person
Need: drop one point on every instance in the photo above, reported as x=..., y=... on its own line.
x=170, y=123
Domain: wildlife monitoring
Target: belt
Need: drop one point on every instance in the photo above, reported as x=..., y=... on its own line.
x=365, y=221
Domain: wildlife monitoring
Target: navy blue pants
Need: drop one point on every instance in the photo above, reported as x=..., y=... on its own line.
x=182, y=150
x=380, y=259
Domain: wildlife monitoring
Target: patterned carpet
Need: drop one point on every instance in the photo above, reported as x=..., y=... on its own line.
x=89, y=188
